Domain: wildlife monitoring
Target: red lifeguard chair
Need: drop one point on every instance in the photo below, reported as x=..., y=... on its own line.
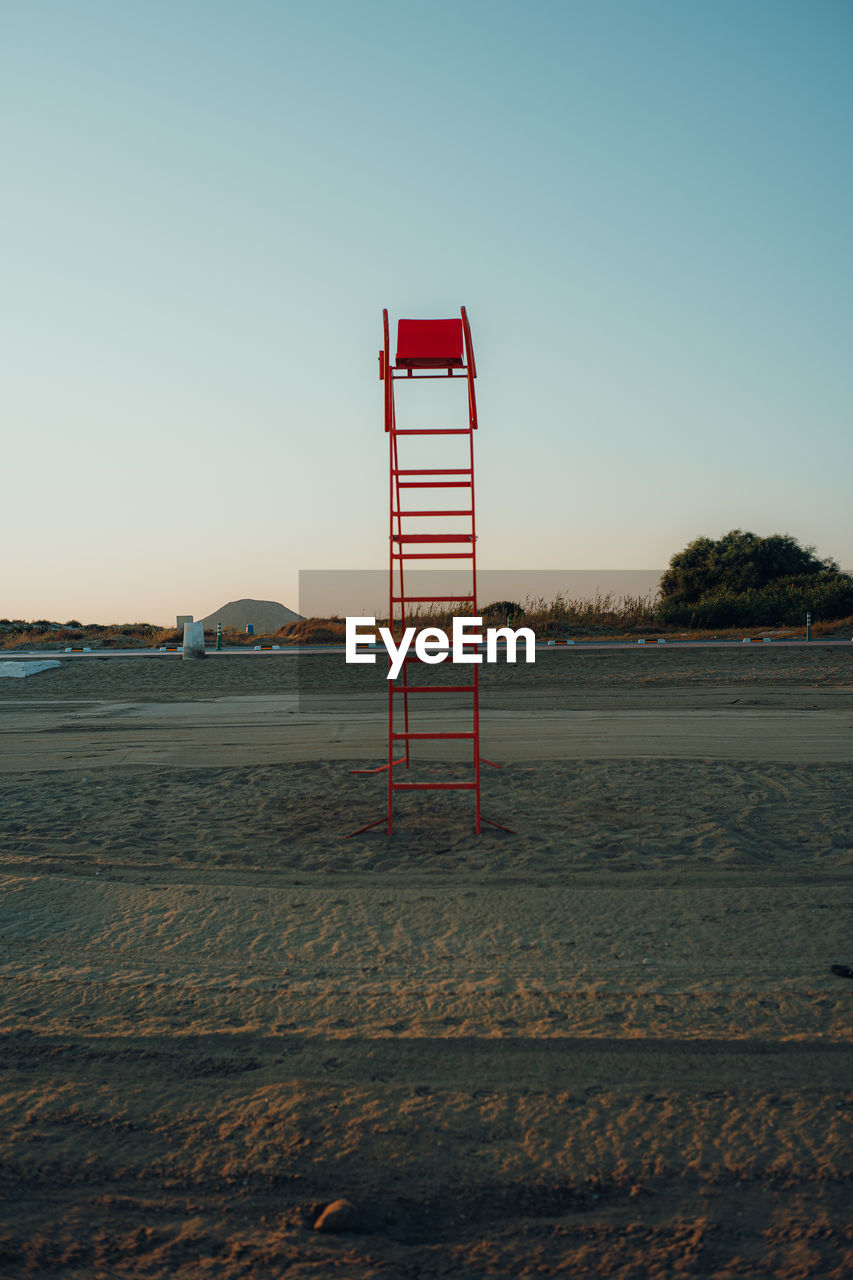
x=429, y=349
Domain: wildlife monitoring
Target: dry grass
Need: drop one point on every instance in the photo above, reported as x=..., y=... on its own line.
x=313, y=631
x=20, y=634
x=604, y=617
x=603, y=613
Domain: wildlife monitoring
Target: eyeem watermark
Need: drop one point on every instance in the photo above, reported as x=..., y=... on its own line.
x=432, y=645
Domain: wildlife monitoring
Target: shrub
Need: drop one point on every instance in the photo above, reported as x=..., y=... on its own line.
x=738, y=562
x=501, y=611
x=782, y=603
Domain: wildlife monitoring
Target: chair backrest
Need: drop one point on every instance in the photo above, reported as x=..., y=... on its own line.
x=429, y=344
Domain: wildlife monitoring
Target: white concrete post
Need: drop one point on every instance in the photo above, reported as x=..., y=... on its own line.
x=193, y=640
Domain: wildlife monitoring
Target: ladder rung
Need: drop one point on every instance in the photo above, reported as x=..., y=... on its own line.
x=432, y=431
x=442, y=736
x=432, y=555
x=434, y=786
x=430, y=599
x=470, y=647
x=434, y=484
x=433, y=688
x=432, y=537
x=432, y=513
x=432, y=471
x=413, y=657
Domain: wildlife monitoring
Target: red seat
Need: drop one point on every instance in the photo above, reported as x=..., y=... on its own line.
x=429, y=344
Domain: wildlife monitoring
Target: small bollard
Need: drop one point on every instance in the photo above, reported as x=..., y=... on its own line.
x=219, y=635
x=808, y=626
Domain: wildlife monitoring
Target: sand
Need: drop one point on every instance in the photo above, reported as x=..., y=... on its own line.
x=609, y=1045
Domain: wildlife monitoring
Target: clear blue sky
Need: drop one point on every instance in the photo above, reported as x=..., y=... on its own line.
x=645, y=206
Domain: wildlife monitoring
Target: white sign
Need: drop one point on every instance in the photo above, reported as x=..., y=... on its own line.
x=432, y=645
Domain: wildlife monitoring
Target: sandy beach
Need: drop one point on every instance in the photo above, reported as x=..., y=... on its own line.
x=611, y=1044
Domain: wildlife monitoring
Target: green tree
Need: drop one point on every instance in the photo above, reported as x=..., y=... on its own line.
x=738, y=562
x=744, y=580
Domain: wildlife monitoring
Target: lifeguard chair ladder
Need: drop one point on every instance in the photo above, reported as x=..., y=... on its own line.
x=428, y=349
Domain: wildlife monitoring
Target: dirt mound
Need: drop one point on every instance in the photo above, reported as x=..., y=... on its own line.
x=266, y=616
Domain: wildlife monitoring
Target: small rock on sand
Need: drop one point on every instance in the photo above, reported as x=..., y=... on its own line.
x=340, y=1215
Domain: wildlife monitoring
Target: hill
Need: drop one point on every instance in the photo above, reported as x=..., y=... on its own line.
x=266, y=616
